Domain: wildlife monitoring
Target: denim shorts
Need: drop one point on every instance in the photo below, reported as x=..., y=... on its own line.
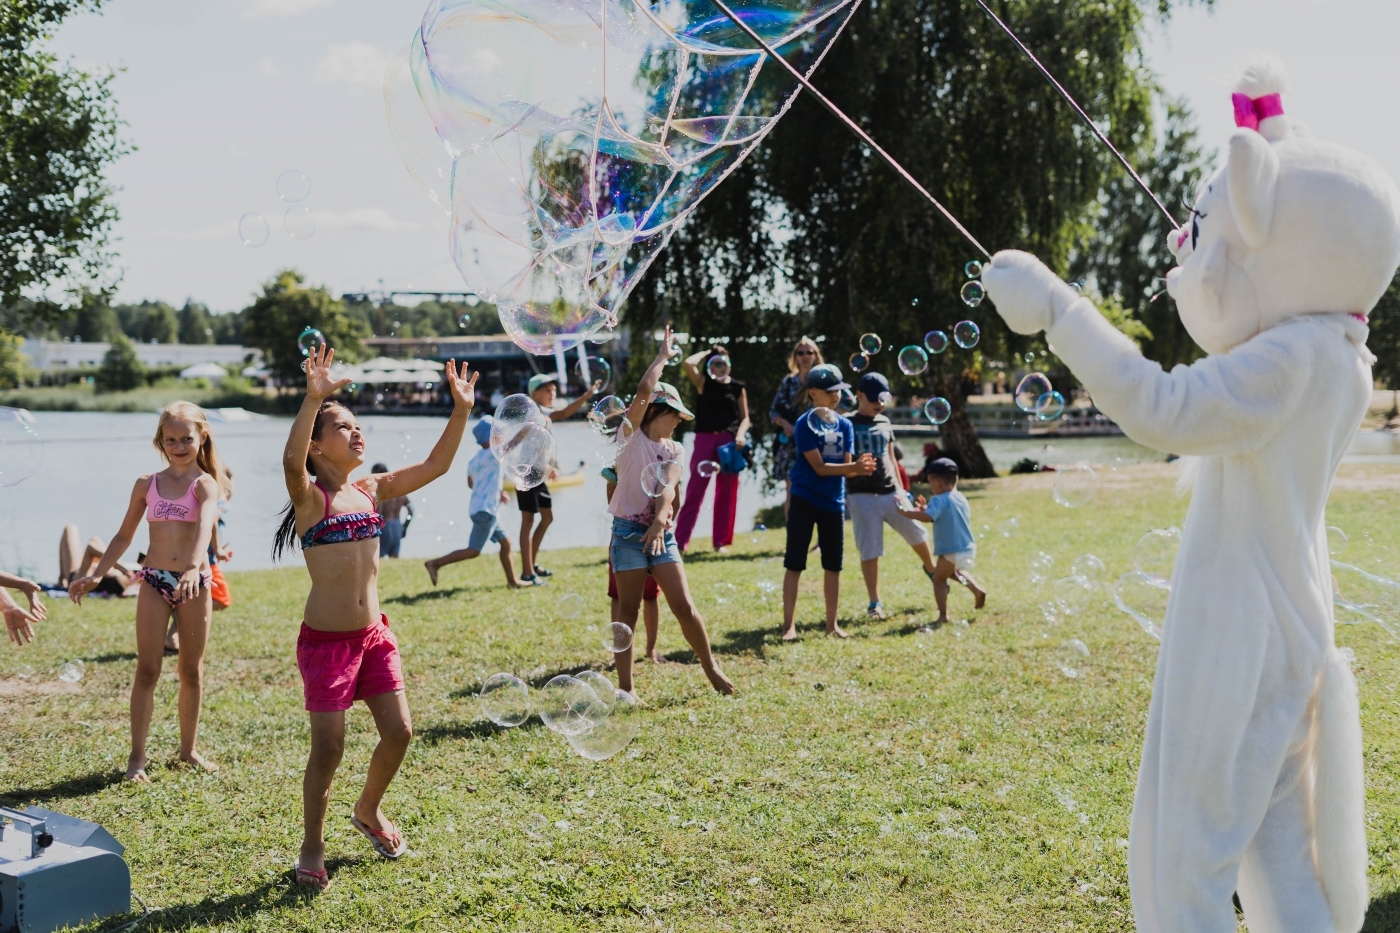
x=626, y=549
x=484, y=528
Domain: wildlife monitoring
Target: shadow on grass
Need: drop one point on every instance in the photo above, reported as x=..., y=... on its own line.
x=1383, y=916
x=114, y=656
x=478, y=729
x=63, y=790
x=409, y=599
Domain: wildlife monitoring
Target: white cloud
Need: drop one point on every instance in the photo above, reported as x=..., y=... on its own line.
x=257, y=9
x=354, y=63
x=365, y=218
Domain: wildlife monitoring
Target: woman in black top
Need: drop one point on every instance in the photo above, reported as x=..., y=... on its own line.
x=721, y=417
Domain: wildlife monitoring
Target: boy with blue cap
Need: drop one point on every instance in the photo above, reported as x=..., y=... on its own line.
x=953, y=542
x=544, y=389
x=825, y=441
x=484, y=480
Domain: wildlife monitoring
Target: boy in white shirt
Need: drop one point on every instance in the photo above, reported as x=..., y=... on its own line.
x=484, y=479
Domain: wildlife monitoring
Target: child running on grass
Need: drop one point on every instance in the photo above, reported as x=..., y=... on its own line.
x=824, y=442
x=544, y=389
x=952, y=534
x=179, y=504
x=641, y=534
x=484, y=480
x=345, y=651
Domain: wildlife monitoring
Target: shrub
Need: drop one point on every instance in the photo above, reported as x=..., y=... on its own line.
x=121, y=369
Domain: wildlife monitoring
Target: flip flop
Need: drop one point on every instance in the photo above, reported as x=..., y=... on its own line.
x=320, y=880
x=379, y=839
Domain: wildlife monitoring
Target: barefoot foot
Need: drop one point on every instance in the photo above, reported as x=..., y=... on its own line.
x=835, y=631
x=136, y=772
x=656, y=657
x=790, y=634
x=721, y=683
x=432, y=571
x=981, y=598
x=196, y=760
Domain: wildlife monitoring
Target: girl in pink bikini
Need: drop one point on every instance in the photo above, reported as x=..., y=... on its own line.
x=179, y=506
x=346, y=651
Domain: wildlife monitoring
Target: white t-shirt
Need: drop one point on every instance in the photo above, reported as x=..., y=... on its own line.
x=485, y=472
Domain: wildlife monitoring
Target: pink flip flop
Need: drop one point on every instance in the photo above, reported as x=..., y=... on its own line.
x=389, y=844
x=307, y=878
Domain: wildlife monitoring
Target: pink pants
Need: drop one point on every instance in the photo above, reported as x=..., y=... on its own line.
x=726, y=492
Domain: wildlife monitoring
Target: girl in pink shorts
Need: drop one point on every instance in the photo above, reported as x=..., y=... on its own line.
x=346, y=651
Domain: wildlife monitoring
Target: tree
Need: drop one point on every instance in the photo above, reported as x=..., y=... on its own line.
x=14, y=371
x=1384, y=340
x=95, y=321
x=955, y=103
x=194, y=323
x=121, y=368
x=59, y=132
x=275, y=321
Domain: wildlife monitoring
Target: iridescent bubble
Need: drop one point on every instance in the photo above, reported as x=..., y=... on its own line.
x=938, y=410
x=293, y=186
x=718, y=366
x=253, y=229
x=1029, y=390
x=514, y=412
x=858, y=362
x=21, y=448
x=1336, y=538
x=1041, y=566
x=1071, y=594
x=463, y=319
x=607, y=416
x=24, y=672
x=299, y=222
x=505, y=700
x=613, y=734
x=1049, y=406
x=973, y=269
x=72, y=672
x=527, y=457
x=1156, y=552
x=602, y=688
x=966, y=334
x=935, y=341
x=1072, y=658
x=767, y=588
x=1051, y=612
x=570, y=606
x=1009, y=527
x=1075, y=485
x=973, y=293
x=824, y=417
x=725, y=592
x=912, y=360
x=568, y=705
x=569, y=143
x=870, y=344
x=1089, y=567
x=1145, y=599
x=597, y=374
x=659, y=476
x=617, y=637
x=707, y=468
x=310, y=339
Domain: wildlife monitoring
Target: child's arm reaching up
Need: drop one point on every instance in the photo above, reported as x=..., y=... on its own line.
x=404, y=481
x=650, y=378
x=319, y=387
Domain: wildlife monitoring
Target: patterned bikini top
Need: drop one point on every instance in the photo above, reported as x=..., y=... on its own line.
x=347, y=526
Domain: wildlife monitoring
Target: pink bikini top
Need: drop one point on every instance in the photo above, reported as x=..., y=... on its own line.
x=161, y=509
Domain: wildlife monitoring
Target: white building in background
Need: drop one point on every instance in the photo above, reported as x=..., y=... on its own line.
x=64, y=354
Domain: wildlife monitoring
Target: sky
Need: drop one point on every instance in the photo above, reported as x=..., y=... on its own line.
x=222, y=96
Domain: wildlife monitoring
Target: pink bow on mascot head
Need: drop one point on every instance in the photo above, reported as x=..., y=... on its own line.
x=1249, y=111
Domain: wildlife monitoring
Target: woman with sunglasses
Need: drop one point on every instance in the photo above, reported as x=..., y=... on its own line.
x=789, y=405
x=721, y=417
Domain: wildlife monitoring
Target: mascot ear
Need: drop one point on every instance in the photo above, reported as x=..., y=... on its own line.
x=1253, y=174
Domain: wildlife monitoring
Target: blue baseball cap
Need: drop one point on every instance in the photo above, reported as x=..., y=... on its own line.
x=871, y=385
x=826, y=376
x=482, y=430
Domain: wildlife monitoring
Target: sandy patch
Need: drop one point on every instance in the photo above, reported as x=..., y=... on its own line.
x=14, y=687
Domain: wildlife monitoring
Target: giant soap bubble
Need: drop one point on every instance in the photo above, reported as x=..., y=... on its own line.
x=569, y=140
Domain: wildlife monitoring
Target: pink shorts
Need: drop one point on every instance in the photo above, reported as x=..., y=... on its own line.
x=338, y=668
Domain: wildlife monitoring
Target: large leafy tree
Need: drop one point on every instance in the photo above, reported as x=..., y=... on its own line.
x=59, y=132
x=814, y=234
x=285, y=308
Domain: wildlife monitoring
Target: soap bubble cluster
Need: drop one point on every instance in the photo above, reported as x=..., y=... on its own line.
x=1030, y=389
x=597, y=719
x=21, y=448
x=522, y=441
x=569, y=142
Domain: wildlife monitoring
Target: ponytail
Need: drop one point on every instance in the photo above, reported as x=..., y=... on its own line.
x=207, y=458
x=285, y=538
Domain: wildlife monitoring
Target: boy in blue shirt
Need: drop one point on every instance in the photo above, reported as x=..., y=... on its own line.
x=953, y=542
x=824, y=442
x=484, y=479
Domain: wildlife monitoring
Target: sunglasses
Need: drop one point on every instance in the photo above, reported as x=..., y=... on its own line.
x=804, y=352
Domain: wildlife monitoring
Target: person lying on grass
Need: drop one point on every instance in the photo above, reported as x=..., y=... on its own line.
x=952, y=534
x=19, y=622
x=345, y=651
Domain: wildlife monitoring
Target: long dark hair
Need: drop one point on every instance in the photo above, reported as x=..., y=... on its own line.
x=286, y=537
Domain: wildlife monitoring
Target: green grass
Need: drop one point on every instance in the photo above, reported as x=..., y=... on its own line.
x=895, y=781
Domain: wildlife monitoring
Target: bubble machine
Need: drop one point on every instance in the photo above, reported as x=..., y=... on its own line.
x=58, y=871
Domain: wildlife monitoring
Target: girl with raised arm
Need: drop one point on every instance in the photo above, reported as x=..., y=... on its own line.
x=641, y=535
x=179, y=506
x=346, y=651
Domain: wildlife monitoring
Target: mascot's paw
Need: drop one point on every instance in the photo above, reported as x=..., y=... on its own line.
x=1029, y=297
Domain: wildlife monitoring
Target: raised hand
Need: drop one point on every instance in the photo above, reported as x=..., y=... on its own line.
x=319, y=384
x=463, y=389
x=667, y=339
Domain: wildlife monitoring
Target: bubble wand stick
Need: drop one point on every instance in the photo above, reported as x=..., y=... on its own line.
x=851, y=125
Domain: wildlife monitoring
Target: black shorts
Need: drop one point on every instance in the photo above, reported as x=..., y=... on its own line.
x=831, y=535
x=534, y=498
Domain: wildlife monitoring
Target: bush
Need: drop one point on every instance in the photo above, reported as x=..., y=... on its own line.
x=771, y=517
x=14, y=372
x=121, y=369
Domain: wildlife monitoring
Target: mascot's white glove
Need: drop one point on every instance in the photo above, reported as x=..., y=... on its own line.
x=1029, y=297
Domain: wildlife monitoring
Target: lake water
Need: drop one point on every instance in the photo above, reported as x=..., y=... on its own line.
x=91, y=461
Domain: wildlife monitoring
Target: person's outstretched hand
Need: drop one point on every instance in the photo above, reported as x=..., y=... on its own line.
x=319, y=384
x=18, y=622
x=667, y=339
x=463, y=388
x=1028, y=296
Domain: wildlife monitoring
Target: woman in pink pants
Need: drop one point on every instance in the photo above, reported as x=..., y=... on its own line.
x=721, y=417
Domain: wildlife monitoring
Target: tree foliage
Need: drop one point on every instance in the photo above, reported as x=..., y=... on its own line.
x=286, y=307
x=59, y=132
x=1384, y=340
x=121, y=368
x=814, y=234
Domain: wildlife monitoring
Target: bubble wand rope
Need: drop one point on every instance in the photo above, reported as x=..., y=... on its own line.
x=1079, y=110
x=851, y=125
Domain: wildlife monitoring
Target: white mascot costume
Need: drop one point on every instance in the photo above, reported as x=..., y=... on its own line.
x=1251, y=767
